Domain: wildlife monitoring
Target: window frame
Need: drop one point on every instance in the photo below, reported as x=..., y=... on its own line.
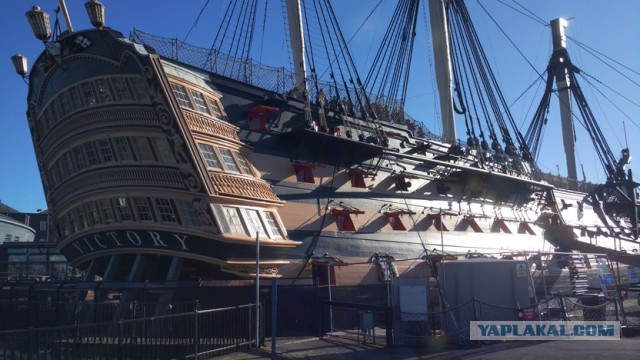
x=143, y=216
x=252, y=219
x=163, y=217
x=273, y=224
x=228, y=159
x=199, y=101
x=210, y=156
x=182, y=96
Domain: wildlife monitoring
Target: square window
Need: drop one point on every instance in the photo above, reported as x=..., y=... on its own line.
x=210, y=156
x=216, y=111
x=229, y=162
x=189, y=214
x=166, y=211
x=222, y=219
x=272, y=222
x=91, y=153
x=123, y=149
x=143, y=149
x=76, y=98
x=106, y=211
x=181, y=96
x=103, y=90
x=121, y=89
x=244, y=164
x=232, y=215
x=106, y=152
x=254, y=223
x=124, y=210
x=142, y=208
x=88, y=93
x=139, y=89
x=163, y=150
x=92, y=214
x=200, y=103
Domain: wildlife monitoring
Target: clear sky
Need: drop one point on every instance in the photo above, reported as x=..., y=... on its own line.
x=610, y=27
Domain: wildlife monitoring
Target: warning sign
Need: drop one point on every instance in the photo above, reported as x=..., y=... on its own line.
x=521, y=270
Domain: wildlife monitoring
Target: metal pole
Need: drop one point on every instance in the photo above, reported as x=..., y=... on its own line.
x=442, y=283
x=257, y=288
x=65, y=13
x=330, y=307
x=274, y=315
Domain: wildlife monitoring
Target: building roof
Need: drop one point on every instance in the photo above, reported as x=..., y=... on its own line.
x=5, y=209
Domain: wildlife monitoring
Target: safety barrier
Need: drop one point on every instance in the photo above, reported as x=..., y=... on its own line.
x=197, y=334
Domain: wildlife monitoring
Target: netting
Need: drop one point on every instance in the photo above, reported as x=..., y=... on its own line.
x=278, y=80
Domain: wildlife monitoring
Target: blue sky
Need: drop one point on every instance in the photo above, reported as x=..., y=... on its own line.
x=610, y=27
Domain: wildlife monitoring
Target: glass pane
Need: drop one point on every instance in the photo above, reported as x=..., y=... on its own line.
x=181, y=96
x=199, y=101
x=254, y=222
x=210, y=156
x=165, y=210
x=143, y=149
x=228, y=160
x=163, y=150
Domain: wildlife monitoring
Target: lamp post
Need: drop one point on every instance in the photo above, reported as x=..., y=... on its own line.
x=257, y=289
x=328, y=259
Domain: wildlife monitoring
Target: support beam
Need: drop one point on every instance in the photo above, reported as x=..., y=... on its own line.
x=127, y=296
x=163, y=306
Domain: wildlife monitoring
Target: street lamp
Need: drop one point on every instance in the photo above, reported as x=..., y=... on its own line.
x=95, y=10
x=39, y=22
x=20, y=64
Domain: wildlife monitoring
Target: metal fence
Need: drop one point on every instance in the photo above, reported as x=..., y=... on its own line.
x=197, y=334
x=451, y=326
x=370, y=324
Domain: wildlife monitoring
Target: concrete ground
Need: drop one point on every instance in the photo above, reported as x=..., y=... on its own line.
x=336, y=348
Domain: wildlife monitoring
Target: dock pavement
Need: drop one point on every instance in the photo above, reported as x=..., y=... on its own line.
x=337, y=348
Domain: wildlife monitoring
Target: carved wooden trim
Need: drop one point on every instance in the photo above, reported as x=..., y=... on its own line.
x=119, y=177
x=114, y=115
x=244, y=187
x=204, y=124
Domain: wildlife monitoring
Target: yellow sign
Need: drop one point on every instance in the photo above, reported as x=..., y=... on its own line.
x=521, y=270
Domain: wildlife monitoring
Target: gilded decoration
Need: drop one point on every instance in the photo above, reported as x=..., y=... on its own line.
x=251, y=270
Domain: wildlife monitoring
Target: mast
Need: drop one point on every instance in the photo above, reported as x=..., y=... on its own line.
x=442, y=61
x=294, y=16
x=65, y=13
x=563, y=83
